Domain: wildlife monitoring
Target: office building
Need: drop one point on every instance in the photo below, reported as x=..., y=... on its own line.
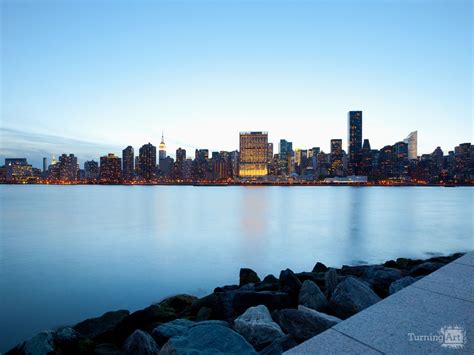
x=110, y=168
x=147, y=154
x=128, y=162
x=354, y=140
x=253, y=154
x=412, y=141
x=91, y=170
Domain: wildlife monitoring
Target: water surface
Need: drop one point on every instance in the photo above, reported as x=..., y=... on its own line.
x=72, y=252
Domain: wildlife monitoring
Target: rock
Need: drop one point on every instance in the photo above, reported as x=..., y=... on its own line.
x=247, y=276
x=68, y=341
x=221, y=304
x=226, y=288
x=311, y=296
x=271, y=299
x=140, y=343
x=248, y=287
x=100, y=327
x=320, y=267
x=390, y=263
x=316, y=277
x=330, y=282
x=180, y=303
x=404, y=263
x=106, y=349
x=317, y=314
x=290, y=284
x=401, y=284
x=208, y=339
x=280, y=345
x=352, y=296
x=145, y=319
x=425, y=268
x=269, y=283
x=356, y=271
x=301, y=325
x=40, y=344
x=204, y=313
x=380, y=278
x=257, y=326
x=170, y=329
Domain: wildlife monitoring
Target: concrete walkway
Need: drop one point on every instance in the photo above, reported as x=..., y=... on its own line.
x=444, y=298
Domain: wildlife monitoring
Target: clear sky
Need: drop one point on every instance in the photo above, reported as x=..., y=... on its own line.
x=91, y=77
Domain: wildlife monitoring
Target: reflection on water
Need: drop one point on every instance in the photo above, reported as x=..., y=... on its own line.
x=72, y=252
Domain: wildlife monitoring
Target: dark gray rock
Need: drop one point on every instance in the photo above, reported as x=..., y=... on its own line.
x=170, y=329
x=247, y=276
x=280, y=345
x=324, y=316
x=40, y=344
x=301, y=325
x=425, y=268
x=257, y=326
x=290, y=284
x=248, y=287
x=179, y=303
x=221, y=304
x=352, y=296
x=140, y=343
x=271, y=299
x=100, y=327
x=204, y=313
x=330, y=282
x=269, y=283
x=401, y=284
x=357, y=270
x=106, y=349
x=208, y=339
x=320, y=267
x=380, y=278
x=311, y=296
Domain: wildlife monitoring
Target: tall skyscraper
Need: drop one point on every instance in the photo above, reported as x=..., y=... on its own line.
x=110, y=168
x=162, y=149
x=180, y=155
x=336, y=167
x=412, y=141
x=285, y=150
x=128, y=160
x=91, y=170
x=253, y=154
x=68, y=168
x=45, y=164
x=269, y=152
x=354, y=140
x=147, y=156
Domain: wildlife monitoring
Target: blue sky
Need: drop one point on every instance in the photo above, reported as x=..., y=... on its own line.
x=91, y=77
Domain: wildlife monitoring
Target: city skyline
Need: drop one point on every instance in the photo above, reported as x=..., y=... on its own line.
x=190, y=69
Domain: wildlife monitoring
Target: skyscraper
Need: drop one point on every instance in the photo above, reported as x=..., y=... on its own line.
x=162, y=149
x=253, y=154
x=147, y=156
x=91, y=170
x=354, y=140
x=110, y=168
x=128, y=160
x=68, y=168
x=336, y=167
x=412, y=141
x=45, y=164
x=285, y=150
x=180, y=155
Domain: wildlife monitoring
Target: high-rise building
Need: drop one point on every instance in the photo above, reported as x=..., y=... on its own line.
x=128, y=160
x=412, y=141
x=336, y=167
x=68, y=168
x=285, y=150
x=91, y=170
x=354, y=140
x=162, y=149
x=180, y=155
x=110, y=168
x=253, y=154
x=147, y=156
x=269, y=152
x=17, y=169
x=45, y=164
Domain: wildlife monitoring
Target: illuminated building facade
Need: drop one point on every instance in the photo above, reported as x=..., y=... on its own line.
x=128, y=160
x=91, y=170
x=68, y=168
x=17, y=170
x=162, y=149
x=253, y=154
x=336, y=167
x=147, y=156
x=412, y=141
x=354, y=140
x=110, y=168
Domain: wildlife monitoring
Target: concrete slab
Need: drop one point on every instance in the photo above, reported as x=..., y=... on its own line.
x=467, y=259
x=332, y=342
x=455, y=280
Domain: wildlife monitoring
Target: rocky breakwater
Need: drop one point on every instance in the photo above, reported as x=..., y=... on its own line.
x=266, y=316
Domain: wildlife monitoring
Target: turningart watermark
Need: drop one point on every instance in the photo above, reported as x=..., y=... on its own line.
x=452, y=337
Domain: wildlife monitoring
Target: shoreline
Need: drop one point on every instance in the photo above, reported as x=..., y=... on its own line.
x=269, y=315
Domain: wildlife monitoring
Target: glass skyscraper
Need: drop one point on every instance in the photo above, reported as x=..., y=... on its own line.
x=412, y=141
x=354, y=140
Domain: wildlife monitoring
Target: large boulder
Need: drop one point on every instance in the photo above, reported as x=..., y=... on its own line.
x=179, y=303
x=145, y=319
x=257, y=326
x=269, y=283
x=39, y=344
x=311, y=296
x=301, y=325
x=323, y=316
x=425, y=268
x=101, y=327
x=357, y=270
x=320, y=267
x=316, y=277
x=180, y=327
x=247, y=276
x=140, y=343
x=352, y=296
x=271, y=299
x=208, y=339
x=380, y=278
x=280, y=345
x=400, y=284
x=290, y=284
x=330, y=281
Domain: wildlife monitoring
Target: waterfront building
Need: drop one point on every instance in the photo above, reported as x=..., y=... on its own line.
x=68, y=168
x=253, y=154
x=162, y=149
x=147, y=155
x=336, y=167
x=269, y=152
x=128, y=160
x=354, y=140
x=412, y=141
x=285, y=150
x=45, y=164
x=91, y=170
x=110, y=168
x=17, y=170
x=464, y=162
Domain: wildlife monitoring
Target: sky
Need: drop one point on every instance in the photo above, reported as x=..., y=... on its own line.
x=92, y=77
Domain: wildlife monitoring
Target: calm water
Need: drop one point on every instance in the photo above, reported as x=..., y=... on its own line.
x=72, y=252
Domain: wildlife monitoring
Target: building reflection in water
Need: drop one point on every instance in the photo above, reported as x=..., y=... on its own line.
x=253, y=213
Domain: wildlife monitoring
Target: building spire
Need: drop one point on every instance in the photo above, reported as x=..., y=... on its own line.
x=162, y=137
